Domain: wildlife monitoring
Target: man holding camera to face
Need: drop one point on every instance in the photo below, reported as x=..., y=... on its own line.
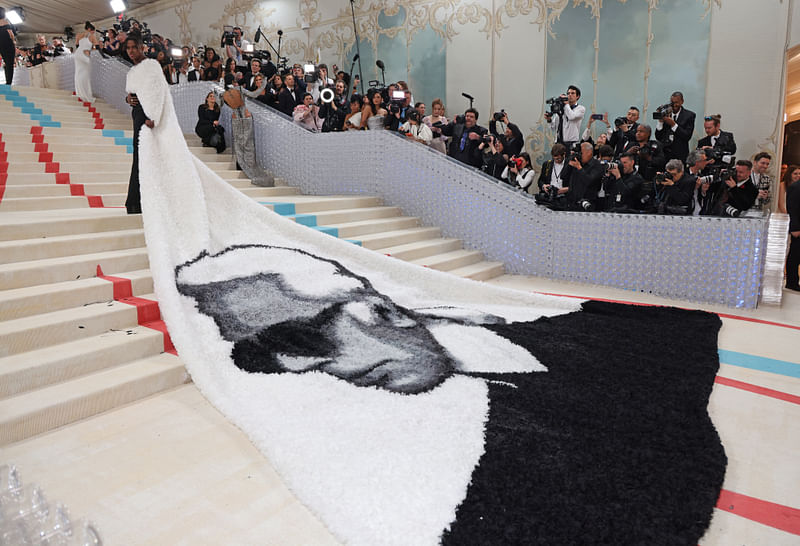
x=512, y=138
x=623, y=194
x=675, y=127
x=565, y=117
x=582, y=176
x=674, y=189
x=493, y=156
x=624, y=131
x=649, y=153
x=466, y=138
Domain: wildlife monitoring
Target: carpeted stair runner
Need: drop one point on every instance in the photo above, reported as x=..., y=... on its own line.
x=69, y=346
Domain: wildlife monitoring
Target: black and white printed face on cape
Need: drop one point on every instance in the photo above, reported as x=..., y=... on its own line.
x=426, y=425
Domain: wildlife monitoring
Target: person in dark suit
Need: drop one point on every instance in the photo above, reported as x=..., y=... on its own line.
x=195, y=73
x=135, y=50
x=793, y=208
x=552, y=169
x=583, y=176
x=466, y=138
x=248, y=80
x=624, y=132
x=716, y=138
x=650, y=153
x=289, y=96
x=675, y=129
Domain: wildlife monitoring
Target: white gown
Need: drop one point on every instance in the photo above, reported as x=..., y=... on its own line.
x=83, y=70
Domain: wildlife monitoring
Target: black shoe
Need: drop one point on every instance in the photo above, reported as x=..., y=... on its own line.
x=796, y=287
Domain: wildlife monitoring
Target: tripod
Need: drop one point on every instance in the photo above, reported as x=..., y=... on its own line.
x=358, y=49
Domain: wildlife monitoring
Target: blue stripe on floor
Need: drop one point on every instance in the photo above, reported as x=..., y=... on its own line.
x=308, y=220
x=332, y=231
x=357, y=243
x=119, y=138
x=760, y=363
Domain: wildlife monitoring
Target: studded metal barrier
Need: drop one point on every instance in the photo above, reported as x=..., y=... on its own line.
x=703, y=259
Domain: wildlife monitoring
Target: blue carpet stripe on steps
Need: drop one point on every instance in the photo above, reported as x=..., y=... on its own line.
x=119, y=138
x=753, y=362
x=308, y=220
x=27, y=107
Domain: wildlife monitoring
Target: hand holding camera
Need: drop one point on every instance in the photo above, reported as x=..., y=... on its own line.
x=575, y=162
x=613, y=169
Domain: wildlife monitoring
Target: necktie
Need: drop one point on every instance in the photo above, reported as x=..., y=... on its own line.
x=463, y=140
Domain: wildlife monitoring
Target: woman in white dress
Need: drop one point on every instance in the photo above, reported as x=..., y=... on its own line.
x=83, y=66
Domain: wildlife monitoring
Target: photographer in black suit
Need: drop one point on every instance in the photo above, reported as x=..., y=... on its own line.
x=624, y=131
x=675, y=189
x=583, y=176
x=466, y=138
x=552, y=170
x=715, y=137
x=623, y=193
x=674, y=128
x=650, y=153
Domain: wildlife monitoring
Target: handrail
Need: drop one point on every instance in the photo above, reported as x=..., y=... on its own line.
x=704, y=259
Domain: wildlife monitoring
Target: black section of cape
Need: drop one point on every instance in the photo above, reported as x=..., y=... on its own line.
x=613, y=445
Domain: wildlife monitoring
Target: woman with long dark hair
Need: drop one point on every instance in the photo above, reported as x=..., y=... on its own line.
x=208, y=127
x=83, y=65
x=8, y=46
x=373, y=111
x=211, y=65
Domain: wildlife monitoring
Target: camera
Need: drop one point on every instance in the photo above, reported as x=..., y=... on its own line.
x=516, y=162
x=311, y=74
x=661, y=111
x=620, y=121
x=556, y=104
x=609, y=165
x=576, y=155
x=461, y=119
x=733, y=212
x=660, y=178
x=585, y=205
x=719, y=156
x=228, y=36
x=486, y=139
x=498, y=116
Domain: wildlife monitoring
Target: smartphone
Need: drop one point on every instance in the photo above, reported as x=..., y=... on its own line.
x=597, y=116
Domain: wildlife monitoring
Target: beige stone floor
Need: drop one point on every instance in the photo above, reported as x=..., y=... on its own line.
x=171, y=470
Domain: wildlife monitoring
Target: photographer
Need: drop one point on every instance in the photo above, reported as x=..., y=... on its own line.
x=320, y=82
x=512, y=138
x=674, y=189
x=649, y=153
x=112, y=46
x=518, y=171
x=550, y=177
x=466, y=139
x=583, y=176
x=624, y=131
x=334, y=112
x=59, y=49
x=623, y=193
x=234, y=45
x=605, y=154
x=306, y=115
x=695, y=164
x=567, y=120
x=493, y=156
x=39, y=51
x=731, y=191
x=416, y=131
x=675, y=127
x=715, y=138
x=398, y=111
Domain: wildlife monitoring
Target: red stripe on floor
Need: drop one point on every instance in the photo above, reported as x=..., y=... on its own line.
x=3, y=176
x=768, y=513
x=786, y=397
x=147, y=311
x=95, y=201
x=721, y=315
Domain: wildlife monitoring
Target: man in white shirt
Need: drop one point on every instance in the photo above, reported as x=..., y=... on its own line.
x=568, y=125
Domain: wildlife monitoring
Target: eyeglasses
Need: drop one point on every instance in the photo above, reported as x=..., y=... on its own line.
x=709, y=118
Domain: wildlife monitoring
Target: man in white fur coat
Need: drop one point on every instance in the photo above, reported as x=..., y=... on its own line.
x=135, y=50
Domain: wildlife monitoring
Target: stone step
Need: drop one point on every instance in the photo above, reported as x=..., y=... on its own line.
x=44, y=409
x=380, y=225
x=44, y=298
x=32, y=227
x=257, y=192
x=46, y=329
x=49, y=365
x=69, y=245
x=451, y=260
x=53, y=270
x=305, y=204
x=399, y=237
x=333, y=217
x=421, y=249
x=480, y=271
x=43, y=203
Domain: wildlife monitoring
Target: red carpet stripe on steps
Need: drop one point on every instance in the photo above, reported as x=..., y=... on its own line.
x=3, y=160
x=46, y=157
x=98, y=119
x=147, y=311
x=768, y=513
x=786, y=397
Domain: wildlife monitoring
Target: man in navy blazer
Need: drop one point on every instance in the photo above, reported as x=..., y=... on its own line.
x=674, y=130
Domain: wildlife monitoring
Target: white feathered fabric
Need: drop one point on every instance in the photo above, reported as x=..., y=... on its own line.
x=377, y=467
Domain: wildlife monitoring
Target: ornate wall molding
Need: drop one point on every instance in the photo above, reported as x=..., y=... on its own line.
x=183, y=10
